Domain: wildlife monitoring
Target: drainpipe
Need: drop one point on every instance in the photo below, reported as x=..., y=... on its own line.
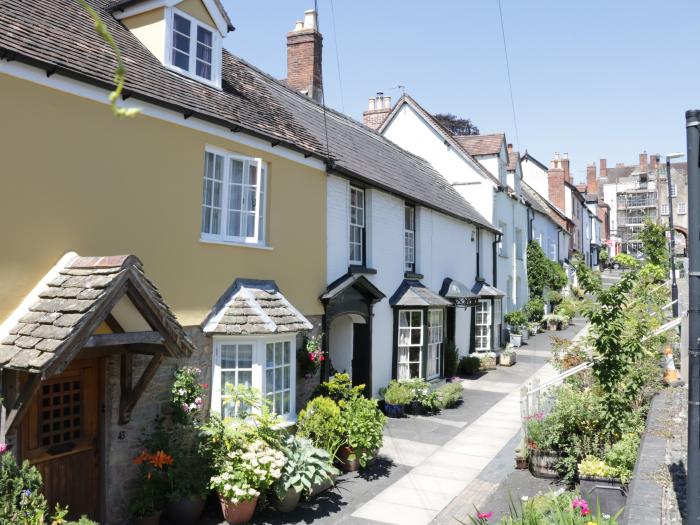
x=530, y=220
x=494, y=248
x=692, y=119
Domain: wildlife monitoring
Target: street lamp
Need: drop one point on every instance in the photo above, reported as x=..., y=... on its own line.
x=674, y=286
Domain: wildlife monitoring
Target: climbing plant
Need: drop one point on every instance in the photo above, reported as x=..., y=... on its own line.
x=542, y=272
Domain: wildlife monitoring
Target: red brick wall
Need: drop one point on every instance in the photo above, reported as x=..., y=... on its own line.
x=304, y=52
x=556, y=178
x=591, y=180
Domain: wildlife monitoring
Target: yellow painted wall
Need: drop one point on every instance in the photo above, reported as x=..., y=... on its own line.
x=196, y=9
x=73, y=177
x=149, y=28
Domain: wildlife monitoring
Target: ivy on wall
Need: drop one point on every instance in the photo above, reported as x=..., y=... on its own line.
x=542, y=272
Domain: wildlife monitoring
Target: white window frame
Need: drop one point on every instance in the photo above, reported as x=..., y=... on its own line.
x=409, y=238
x=664, y=209
x=261, y=191
x=259, y=367
x=674, y=190
x=436, y=339
x=479, y=337
x=502, y=247
x=216, y=51
x=682, y=208
x=407, y=362
x=360, y=227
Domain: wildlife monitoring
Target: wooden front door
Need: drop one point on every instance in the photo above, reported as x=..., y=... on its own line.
x=61, y=437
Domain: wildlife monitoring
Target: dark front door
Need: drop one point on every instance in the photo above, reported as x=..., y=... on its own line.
x=361, y=355
x=60, y=436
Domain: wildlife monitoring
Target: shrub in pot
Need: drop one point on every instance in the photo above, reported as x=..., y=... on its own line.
x=534, y=327
x=450, y=394
x=339, y=388
x=322, y=423
x=598, y=481
x=396, y=397
x=363, y=427
x=148, y=499
x=306, y=468
x=534, y=310
x=242, y=476
x=517, y=320
x=425, y=399
x=555, y=321
x=487, y=360
x=507, y=357
x=468, y=365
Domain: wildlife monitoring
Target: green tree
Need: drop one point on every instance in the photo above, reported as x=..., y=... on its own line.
x=456, y=125
x=541, y=272
x=654, y=245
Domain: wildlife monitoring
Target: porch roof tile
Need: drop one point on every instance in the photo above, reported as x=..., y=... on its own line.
x=413, y=293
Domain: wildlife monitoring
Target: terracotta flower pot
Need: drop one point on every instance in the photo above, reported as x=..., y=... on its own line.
x=153, y=519
x=238, y=513
x=520, y=463
x=348, y=459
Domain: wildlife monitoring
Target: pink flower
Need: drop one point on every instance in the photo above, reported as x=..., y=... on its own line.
x=185, y=407
x=582, y=504
x=484, y=515
x=4, y=447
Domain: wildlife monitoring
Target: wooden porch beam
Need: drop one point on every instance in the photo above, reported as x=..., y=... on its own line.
x=106, y=351
x=128, y=402
x=124, y=338
x=21, y=404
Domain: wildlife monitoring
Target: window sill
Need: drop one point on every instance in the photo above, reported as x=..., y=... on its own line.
x=413, y=275
x=237, y=244
x=355, y=268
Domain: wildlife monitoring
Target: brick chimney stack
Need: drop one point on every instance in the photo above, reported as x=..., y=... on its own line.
x=555, y=181
x=591, y=179
x=304, y=52
x=654, y=163
x=377, y=111
x=603, y=169
x=565, y=167
x=643, y=162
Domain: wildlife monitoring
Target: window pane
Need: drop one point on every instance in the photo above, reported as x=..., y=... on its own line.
x=415, y=336
x=414, y=354
x=414, y=369
x=403, y=318
x=287, y=403
x=404, y=336
x=278, y=403
x=269, y=380
x=416, y=318
x=287, y=353
x=181, y=43
x=182, y=25
x=245, y=356
x=270, y=361
x=203, y=70
x=204, y=36
x=402, y=371
x=233, y=227
x=236, y=171
x=228, y=356
x=287, y=377
x=245, y=378
x=278, y=379
x=180, y=60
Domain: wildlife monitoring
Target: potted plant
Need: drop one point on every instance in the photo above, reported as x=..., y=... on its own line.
x=534, y=327
x=554, y=321
x=306, y=467
x=507, y=357
x=396, y=397
x=600, y=482
x=363, y=427
x=487, y=361
x=468, y=365
x=149, y=497
x=517, y=320
x=450, y=394
x=322, y=423
x=242, y=476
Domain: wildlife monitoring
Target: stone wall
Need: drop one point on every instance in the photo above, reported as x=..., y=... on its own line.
x=306, y=386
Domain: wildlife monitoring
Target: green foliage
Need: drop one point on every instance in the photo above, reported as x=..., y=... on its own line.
x=553, y=297
x=567, y=308
x=339, y=388
x=451, y=358
x=622, y=456
x=542, y=272
x=363, y=426
x=310, y=355
x=450, y=394
x=456, y=125
x=306, y=466
x=626, y=261
x=555, y=508
x=534, y=309
x=83, y=520
x=21, y=500
x=398, y=394
x=654, y=244
x=603, y=256
x=423, y=394
x=594, y=467
x=468, y=365
x=517, y=319
x=322, y=423
x=589, y=280
x=187, y=394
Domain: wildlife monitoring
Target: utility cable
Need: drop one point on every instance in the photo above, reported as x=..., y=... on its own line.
x=337, y=57
x=510, y=84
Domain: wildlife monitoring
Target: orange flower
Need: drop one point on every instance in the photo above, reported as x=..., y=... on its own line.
x=160, y=458
x=144, y=456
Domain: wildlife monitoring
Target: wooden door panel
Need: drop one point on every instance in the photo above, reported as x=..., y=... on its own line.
x=60, y=436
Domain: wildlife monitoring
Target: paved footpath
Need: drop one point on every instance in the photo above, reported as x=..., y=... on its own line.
x=435, y=469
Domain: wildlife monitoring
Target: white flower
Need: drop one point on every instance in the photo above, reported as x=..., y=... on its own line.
x=252, y=492
x=524, y=498
x=606, y=516
x=182, y=391
x=227, y=487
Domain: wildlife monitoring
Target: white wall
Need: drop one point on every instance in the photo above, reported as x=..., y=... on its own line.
x=340, y=338
x=546, y=230
x=535, y=177
x=337, y=203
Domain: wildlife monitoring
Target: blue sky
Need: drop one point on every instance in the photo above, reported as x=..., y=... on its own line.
x=594, y=78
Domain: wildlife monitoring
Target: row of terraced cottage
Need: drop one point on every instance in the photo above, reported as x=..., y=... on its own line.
x=259, y=216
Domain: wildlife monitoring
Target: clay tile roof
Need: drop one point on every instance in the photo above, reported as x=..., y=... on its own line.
x=482, y=144
x=254, y=307
x=55, y=318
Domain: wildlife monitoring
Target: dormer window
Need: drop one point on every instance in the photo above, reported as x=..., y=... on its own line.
x=193, y=48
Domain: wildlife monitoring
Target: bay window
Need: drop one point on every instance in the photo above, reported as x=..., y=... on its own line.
x=357, y=226
x=193, y=48
x=410, y=339
x=436, y=336
x=233, y=198
x=483, y=323
x=264, y=363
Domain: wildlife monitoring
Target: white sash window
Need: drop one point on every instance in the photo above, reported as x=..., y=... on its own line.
x=436, y=336
x=410, y=344
x=483, y=326
x=233, y=198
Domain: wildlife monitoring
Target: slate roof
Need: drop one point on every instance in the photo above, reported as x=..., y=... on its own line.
x=254, y=307
x=58, y=321
x=530, y=196
x=482, y=144
x=513, y=160
x=59, y=36
x=413, y=293
x=483, y=289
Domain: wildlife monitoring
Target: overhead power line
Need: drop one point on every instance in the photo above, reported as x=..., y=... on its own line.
x=337, y=56
x=510, y=84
